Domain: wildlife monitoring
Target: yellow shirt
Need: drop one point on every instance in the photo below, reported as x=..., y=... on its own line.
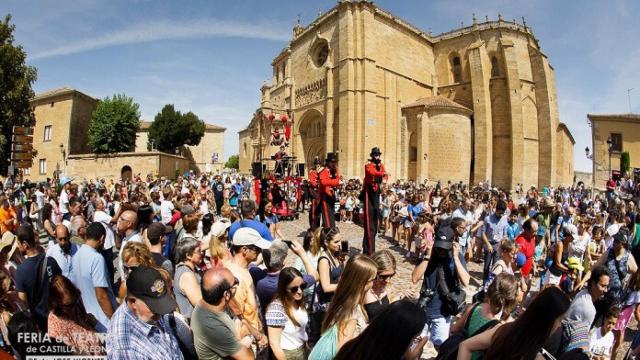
x=245, y=302
x=6, y=214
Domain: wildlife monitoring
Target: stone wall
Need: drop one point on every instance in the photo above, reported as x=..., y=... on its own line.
x=91, y=166
x=602, y=128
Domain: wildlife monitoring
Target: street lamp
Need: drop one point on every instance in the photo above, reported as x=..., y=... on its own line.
x=587, y=153
x=589, y=156
x=609, y=146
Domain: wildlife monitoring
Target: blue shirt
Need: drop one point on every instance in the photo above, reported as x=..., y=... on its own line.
x=495, y=228
x=90, y=272
x=63, y=260
x=131, y=338
x=513, y=230
x=261, y=228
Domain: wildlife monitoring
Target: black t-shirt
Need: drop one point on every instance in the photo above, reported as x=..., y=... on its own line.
x=27, y=275
x=218, y=191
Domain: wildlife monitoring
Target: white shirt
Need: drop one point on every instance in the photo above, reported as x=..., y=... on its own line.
x=64, y=201
x=39, y=198
x=600, y=345
x=102, y=217
x=611, y=230
x=166, y=211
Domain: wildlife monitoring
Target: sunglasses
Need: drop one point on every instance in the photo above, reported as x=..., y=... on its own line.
x=254, y=248
x=295, y=289
x=385, y=277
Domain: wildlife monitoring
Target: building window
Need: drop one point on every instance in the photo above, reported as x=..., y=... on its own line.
x=413, y=154
x=47, y=133
x=616, y=142
x=27, y=171
x=43, y=167
x=457, y=69
x=495, y=67
x=320, y=53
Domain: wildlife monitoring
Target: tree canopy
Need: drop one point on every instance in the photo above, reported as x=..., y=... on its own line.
x=171, y=129
x=233, y=162
x=114, y=125
x=16, y=79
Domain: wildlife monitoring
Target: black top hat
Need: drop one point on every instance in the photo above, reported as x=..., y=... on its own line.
x=332, y=157
x=375, y=151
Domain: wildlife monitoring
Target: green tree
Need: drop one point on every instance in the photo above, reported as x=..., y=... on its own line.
x=16, y=79
x=114, y=125
x=233, y=162
x=171, y=129
x=625, y=162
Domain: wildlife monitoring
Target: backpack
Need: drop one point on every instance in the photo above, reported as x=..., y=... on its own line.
x=449, y=349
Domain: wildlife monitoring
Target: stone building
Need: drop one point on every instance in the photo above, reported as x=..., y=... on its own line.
x=471, y=104
x=624, y=132
x=208, y=156
x=61, y=141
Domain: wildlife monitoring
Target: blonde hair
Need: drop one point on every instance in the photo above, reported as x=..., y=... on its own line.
x=142, y=254
x=359, y=270
x=316, y=245
x=217, y=250
x=384, y=260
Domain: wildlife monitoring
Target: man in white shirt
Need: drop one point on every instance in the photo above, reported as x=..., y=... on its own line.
x=65, y=182
x=64, y=251
x=106, y=220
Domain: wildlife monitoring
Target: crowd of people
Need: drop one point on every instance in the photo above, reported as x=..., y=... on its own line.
x=198, y=267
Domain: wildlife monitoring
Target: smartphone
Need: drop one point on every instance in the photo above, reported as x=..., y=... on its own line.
x=344, y=246
x=289, y=243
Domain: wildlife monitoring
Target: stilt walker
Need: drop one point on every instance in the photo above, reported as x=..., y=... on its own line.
x=329, y=178
x=314, y=182
x=374, y=175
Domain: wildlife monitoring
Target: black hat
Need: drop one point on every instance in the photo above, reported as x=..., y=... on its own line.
x=146, y=284
x=444, y=239
x=332, y=157
x=375, y=151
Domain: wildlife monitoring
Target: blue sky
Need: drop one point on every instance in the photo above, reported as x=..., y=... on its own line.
x=211, y=57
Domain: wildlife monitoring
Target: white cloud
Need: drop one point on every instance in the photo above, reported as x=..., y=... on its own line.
x=164, y=30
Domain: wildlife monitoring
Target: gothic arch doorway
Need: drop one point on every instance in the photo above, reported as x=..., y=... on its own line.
x=313, y=135
x=126, y=173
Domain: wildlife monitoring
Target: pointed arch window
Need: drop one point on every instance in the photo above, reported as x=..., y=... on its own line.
x=456, y=68
x=495, y=67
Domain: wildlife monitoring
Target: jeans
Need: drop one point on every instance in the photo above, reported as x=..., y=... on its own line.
x=490, y=259
x=437, y=327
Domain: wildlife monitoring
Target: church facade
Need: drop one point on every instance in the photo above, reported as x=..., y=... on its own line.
x=474, y=104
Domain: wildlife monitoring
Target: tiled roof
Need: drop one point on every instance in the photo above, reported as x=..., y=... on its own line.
x=59, y=91
x=436, y=102
x=613, y=116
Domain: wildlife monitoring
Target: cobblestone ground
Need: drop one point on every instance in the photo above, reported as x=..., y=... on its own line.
x=401, y=285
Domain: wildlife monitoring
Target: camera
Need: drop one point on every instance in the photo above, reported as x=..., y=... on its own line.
x=426, y=295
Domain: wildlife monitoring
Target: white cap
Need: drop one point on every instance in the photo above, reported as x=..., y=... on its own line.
x=246, y=236
x=219, y=227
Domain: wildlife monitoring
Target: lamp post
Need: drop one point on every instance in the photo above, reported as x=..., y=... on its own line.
x=609, y=147
x=589, y=156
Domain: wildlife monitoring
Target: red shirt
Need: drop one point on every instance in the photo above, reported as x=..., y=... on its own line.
x=528, y=248
x=327, y=183
x=370, y=175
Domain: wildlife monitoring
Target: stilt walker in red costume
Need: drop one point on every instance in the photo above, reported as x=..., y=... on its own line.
x=329, y=179
x=314, y=193
x=374, y=175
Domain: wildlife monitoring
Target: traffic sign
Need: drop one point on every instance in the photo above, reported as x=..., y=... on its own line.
x=22, y=139
x=17, y=147
x=22, y=130
x=23, y=164
x=21, y=156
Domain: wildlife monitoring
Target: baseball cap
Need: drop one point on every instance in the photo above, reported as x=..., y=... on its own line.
x=65, y=180
x=247, y=236
x=573, y=263
x=9, y=239
x=146, y=283
x=444, y=239
x=219, y=227
x=571, y=230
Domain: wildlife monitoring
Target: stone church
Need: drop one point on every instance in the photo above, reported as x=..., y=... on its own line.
x=474, y=104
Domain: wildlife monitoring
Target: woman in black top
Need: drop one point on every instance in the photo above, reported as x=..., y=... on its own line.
x=377, y=299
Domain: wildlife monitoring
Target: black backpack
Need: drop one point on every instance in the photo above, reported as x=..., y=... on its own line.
x=449, y=349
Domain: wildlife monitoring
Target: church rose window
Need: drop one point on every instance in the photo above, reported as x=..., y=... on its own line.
x=320, y=53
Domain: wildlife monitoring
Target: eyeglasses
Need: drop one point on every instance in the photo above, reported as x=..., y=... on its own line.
x=385, y=277
x=253, y=248
x=295, y=289
x=236, y=282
